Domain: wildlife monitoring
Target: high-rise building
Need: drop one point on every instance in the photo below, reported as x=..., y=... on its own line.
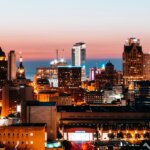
x=3, y=68
x=21, y=70
x=132, y=61
x=12, y=96
x=79, y=57
x=11, y=65
x=146, y=66
x=79, y=54
x=69, y=77
x=107, y=77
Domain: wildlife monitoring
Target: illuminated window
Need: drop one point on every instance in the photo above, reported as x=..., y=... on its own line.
x=31, y=134
x=31, y=142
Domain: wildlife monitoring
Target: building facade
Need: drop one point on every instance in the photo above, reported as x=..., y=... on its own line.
x=11, y=65
x=12, y=96
x=41, y=112
x=79, y=54
x=23, y=136
x=142, y=92
x=3, y=68
x=79, y=58
x=107, y=78
x=146, y=66
x=132, y=61
x=69, y=77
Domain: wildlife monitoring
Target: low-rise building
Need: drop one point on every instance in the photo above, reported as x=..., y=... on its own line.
x=24, y=136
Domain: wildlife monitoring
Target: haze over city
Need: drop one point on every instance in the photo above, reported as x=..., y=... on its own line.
x=37, y=28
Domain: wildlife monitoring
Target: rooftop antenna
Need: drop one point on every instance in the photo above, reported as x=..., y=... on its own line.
x=57, y=53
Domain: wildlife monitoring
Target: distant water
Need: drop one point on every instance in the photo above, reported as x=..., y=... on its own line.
x=30, y=66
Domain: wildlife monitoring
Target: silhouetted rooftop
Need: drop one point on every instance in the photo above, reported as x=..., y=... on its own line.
x=127, y=49
x=102, y=109
x=37, y=103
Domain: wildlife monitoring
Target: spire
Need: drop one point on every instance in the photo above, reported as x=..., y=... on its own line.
x=21, y=70
x=21, y=64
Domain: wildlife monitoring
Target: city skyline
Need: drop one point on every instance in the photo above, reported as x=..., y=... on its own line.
x=38, y=28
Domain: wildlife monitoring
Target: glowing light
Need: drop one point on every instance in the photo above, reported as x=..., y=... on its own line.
x=80, y=136
x=83, y=66
x=62, y=60
x=31, y=134
x=55, y=61
x=31, y=142
x=103, y=66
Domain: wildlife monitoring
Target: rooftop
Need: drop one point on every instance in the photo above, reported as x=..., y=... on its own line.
x=29, y=125
x=36, y=103
x=102, y=109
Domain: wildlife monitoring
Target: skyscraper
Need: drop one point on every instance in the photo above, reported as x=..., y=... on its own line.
x=79, y=54
x=146, y=66
x=69, y=77
x=79, y=57
x=11, y=65
x=3, y=68
x=132, y=61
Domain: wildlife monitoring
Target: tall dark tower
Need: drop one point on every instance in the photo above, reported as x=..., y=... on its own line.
x=3, y=68
x=11, y=65
x=21, y=70
x=132, y=61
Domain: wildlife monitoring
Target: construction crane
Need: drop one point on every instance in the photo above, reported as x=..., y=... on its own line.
x=57, y=52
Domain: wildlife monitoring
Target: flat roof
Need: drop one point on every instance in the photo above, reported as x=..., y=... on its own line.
x=88, y=108
x=29, y=125
x=37, y=103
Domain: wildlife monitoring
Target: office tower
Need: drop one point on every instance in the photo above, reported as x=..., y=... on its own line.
x=69, y=77
x=13, y=95
x=132, y=61
x=11, y=65
x=146, y=66
x=79, y=54
x=107, y=77
x=3, y=68
x=79, y=57
x=21, y=70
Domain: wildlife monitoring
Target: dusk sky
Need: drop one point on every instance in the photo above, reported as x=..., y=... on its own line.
x=38, y=27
